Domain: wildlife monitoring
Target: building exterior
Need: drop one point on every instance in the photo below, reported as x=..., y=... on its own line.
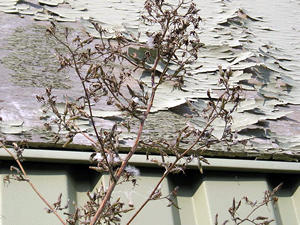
x=258, y=40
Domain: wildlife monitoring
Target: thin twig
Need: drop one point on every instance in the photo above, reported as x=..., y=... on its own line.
x=133, y=148
x=87, y=96
x=32, y=185
x=125, y=161
x=169, y=170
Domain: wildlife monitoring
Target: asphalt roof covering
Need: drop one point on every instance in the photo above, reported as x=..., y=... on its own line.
x=259, y=40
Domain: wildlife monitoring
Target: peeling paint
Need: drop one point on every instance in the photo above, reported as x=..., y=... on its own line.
x=261, y=47
x=29, y=55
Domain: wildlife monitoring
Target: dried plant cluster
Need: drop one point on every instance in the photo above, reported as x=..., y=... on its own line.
x=269, y=196
x=109, y=70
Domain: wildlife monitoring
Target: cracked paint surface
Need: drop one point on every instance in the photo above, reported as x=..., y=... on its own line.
x=259, y=40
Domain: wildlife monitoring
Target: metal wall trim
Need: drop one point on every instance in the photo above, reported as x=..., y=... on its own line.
x=56, y=156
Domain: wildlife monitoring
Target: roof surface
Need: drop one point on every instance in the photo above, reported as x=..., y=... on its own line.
x=259, y=40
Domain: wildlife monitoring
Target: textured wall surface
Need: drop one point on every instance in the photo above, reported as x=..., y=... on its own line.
x=259, y=40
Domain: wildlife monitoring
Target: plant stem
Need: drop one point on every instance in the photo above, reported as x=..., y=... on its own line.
x=169, y=170
x=124, y=163
x=32, y=185
x=87, y=96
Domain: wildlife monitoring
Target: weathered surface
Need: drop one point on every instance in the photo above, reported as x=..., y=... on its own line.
x=259, y=40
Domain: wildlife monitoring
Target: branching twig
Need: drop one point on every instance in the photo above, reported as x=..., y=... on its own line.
x=32, y=185
x=167, y=172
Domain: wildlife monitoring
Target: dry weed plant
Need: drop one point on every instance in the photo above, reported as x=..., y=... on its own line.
x=175, y=44
x=269, y=197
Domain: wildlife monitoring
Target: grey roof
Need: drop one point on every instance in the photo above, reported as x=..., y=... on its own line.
x=259, y=40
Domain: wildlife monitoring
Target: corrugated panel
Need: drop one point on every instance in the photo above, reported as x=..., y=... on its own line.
x=288, y=207
x=200, y=197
